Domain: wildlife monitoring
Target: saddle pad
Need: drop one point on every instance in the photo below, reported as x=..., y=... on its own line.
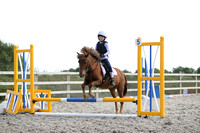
x=104, y=70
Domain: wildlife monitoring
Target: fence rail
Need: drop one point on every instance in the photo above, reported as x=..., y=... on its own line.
x=68, y=91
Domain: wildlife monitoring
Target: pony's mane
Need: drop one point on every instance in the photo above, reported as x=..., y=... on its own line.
x=86, y=50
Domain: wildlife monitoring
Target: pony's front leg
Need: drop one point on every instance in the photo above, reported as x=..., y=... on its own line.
x=83, y=88
x=94, y=83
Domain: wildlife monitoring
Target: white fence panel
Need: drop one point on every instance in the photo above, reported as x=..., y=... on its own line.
x=68, y=83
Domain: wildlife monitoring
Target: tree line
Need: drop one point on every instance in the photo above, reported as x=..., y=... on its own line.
x=7, y=62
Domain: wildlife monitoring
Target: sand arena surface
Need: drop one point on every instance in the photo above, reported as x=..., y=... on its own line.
x=182, y=114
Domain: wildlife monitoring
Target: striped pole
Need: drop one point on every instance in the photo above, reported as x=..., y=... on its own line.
x=82, y=100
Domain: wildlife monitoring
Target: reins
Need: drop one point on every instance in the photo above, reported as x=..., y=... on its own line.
x=89, y=67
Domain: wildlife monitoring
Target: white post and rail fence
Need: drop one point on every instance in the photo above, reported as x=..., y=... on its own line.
x=183, y=83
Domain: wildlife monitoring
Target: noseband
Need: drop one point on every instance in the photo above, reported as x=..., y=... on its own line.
x=90, y=66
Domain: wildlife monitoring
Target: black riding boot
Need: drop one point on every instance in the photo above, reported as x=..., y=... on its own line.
x=112, y=82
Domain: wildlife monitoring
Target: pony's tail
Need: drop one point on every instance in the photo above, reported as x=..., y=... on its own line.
x=125, y=86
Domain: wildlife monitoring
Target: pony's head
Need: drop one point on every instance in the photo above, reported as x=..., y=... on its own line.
x=84, y=61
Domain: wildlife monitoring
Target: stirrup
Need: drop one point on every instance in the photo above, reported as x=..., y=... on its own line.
x=112, y=82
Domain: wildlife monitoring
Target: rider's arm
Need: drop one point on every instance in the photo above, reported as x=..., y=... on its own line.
x=108, y=50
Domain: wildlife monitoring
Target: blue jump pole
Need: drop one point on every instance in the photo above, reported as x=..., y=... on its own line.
x=42, y=103
x=150, y=80
x=81, y=100
x=24, y=103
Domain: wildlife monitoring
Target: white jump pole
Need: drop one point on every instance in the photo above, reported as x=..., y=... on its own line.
x=84, y=115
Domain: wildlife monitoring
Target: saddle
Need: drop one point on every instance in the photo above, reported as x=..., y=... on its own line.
x=107, y=75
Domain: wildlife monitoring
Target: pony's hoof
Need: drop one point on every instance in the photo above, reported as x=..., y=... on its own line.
x=85, y=98
x=92, y=95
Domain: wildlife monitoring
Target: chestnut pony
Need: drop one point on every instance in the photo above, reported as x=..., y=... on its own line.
x=90, y=69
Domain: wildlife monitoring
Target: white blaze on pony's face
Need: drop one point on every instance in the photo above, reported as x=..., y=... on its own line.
x=83, y=64
x=83, y=67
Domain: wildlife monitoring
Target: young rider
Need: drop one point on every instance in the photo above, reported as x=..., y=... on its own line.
x=103, y=49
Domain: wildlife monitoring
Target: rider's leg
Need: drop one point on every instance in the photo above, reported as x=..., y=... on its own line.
x=111, y=71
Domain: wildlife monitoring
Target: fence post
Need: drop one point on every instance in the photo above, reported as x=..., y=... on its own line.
x=68, y=86
x=196, y=84
x=180, y=84
x=97, y=93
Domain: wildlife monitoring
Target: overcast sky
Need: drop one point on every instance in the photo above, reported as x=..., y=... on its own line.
x=60, y=28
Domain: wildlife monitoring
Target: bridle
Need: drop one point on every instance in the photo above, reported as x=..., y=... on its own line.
x=88, y=66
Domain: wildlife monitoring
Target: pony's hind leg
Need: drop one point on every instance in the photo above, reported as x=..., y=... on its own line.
x=120, y=92
x=121, y=107
x=112, y=91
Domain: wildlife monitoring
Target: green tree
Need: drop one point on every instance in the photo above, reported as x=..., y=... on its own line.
x=126, y=71
x=181, y=69
x=166, y=71
x=156, y=70
x=6, y=56
x=72, y=70
x=198, y=70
